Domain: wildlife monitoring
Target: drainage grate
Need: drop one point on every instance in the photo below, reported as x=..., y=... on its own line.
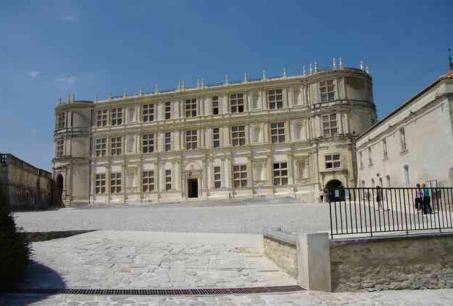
x=196, y=291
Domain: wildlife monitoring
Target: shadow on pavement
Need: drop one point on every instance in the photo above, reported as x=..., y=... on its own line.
x=37, y=276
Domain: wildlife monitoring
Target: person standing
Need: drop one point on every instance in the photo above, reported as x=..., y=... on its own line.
x=379, y=197
x=426, y=201
x=321, y=195
x=418, y=197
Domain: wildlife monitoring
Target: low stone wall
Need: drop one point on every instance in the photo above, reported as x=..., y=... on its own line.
x=408, y=262
x=43, y=236
x=281, y=249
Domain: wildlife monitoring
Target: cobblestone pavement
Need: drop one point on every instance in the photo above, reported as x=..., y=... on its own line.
x=401, y=297
x=242, y=217
x=133, y=259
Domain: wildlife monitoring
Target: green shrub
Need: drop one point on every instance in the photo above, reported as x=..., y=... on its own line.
x=14, y=247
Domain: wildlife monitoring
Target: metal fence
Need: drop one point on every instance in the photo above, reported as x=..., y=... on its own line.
x=372, y=211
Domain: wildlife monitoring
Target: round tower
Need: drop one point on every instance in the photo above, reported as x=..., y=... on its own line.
x=71, y=163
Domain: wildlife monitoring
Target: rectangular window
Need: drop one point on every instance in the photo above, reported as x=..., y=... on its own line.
x=148, y=143
x=237, y=103
x=100, y=183
x=238, y=135
x=116, y=114
x=191, y=140
x=115, y=182
x=167, y=179
x=278, y=132
x=384, y=148
x=216, y=137
x=370, y=159
x=280, y=174
x=403, y=140
x=332, y=161
x=215, y=105
x=327, y=91
x=101, y=147
x=148, y=181
x=115, y=146
x=168, y=141
x=329, y=125
x=217, y=178
x=148, y=112
x=191, y=107
x=61, y=120
x=275, y=98
x=59, y=150
x=167, y=110
x=240, y=176
x=101, y=118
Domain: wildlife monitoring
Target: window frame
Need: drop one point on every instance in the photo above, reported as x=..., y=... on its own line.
x=59, y=148
x=327, y=91
x=216, y=137
x=116, y=146
x=167, y=141
x=240, y=179
x=329, y=126
x=116, y=116
x=215, y=105
x=148, y=143
x=100, y=183
x=167, y=110
x=238, y=135
x=190, y=108
x=237, y=104
x=61, y=120
x=115, y=182
x=275, y=98
x=191, y=139
x=148, y=181
x=217, y=173
x=168, y=182
x=102, y=117
x=335, y=162
x=279, y=129
x=280, y=174
x=148, y=112
x=100, y=146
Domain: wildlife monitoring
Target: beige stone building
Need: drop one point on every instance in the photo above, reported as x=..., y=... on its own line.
x=26, y=187
x=413, y=144
x=284, y=136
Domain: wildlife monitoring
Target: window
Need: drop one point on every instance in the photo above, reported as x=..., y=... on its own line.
x=148, y=181
x=148, y=112
x=59, y=150
x=278, y=132
x=61, y=120
x=327, y=91
x=101, y=118
x=240, y=176
x=329, y=125
x=100, y=183
x=167, y=110
x=406, y=175
x=403, y=140
x=115, y=146
x=237, y=103
x=384, y=148
x=280, y=173
x=216, y=137
x=275, y=98
x=167, y=179
x=332, y=161
x=238, y=135
x=215, y=105
x=117, y=116
x=101, y=147
x=217, y=178
x=167, y=141
x=148, y=143
x=370, y=159
x=191, y=107
x=115, y=182
x=191, y=140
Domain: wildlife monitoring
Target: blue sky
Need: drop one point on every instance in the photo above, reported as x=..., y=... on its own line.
x=52, y=48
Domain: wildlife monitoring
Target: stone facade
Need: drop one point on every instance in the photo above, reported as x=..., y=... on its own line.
x=412, y=262
x=413, y=144
x=27, y=187
x=286, y=136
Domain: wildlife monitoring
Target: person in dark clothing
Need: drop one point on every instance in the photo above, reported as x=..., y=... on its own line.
x=426, y=201
x=418, y=197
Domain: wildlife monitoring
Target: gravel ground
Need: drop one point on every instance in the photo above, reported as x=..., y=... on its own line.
x=243, y=217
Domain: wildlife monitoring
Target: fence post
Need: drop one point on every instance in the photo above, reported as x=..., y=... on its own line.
x=369, y=210
x=438, y=209
x=331, y=223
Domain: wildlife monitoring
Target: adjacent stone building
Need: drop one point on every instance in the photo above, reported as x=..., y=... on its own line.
x=413, y=144
x=284, y=136
x=27, y=187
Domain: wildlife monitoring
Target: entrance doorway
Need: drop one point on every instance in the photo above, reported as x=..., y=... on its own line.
x=59, y=191
x=192, y=188
x=336, y=190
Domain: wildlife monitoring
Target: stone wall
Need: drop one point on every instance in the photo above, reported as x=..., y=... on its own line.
x=412, y=262
x=282, y=251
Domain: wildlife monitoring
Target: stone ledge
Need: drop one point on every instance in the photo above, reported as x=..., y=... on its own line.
x=363, y=240
x=43, y=236
x=278, y=235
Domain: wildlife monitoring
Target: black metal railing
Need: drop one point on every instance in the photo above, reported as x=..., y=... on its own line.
x=372, y=211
